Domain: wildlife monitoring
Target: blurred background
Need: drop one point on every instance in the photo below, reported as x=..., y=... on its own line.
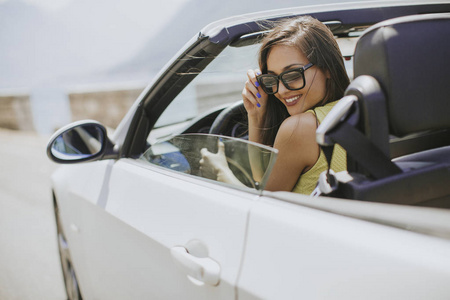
x=63, y=60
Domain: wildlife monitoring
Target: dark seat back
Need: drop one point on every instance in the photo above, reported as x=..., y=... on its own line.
x=402, y=86
x=410, y=59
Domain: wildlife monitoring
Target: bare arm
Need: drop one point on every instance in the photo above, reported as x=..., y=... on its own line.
x=297, y=151
x=255, y=102
x=214, y=165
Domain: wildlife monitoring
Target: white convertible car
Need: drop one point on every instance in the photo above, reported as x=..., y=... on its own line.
x=137, y=219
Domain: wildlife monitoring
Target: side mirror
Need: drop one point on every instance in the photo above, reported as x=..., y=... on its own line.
x=80, y=142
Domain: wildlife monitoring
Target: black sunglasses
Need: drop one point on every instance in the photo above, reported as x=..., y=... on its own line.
x=293, y=80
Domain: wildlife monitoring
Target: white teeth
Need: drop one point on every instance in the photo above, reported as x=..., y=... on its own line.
x=292, y=99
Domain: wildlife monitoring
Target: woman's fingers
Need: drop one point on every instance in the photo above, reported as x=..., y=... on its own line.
x=252, y=81
x=209, y=157
x=249, y=94
x=251, y=74
x=204, y=152
x=221, y=148
x=252, y=91
x=212, y=163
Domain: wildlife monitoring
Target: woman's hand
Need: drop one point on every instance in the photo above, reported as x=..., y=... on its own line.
x=255, y=99
x=214, y=165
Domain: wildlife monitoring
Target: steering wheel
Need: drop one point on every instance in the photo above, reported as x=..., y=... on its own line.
x=232, y=121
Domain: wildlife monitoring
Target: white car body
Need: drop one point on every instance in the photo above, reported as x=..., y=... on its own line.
x=267, y=247
x=139, y=231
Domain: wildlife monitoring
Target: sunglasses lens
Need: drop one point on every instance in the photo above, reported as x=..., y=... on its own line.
x=293, y=79
x=269, y=83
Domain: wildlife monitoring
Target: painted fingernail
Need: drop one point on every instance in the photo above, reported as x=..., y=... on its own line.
x=257, y=104
x=258, y=95
x=256, y=83
x=258, y=73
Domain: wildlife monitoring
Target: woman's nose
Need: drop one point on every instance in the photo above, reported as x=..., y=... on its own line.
x=281, y=88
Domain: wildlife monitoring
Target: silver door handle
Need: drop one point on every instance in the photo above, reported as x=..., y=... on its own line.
x=203, y=269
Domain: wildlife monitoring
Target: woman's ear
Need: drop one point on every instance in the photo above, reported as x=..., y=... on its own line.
x=327, y=74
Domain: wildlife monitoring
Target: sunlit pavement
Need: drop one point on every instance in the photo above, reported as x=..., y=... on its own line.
x=29, y=262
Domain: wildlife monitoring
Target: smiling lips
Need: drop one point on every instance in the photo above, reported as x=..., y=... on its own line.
x=292, y=100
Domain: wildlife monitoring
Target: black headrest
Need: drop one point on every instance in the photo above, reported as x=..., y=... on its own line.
x=410, y=58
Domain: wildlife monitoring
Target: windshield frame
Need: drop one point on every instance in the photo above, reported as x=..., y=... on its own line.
x=211, y=41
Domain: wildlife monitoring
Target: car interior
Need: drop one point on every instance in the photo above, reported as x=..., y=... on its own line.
x=393, y=121
x=398, y=109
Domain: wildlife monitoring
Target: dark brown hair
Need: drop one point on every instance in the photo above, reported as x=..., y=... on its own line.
x=317, y=43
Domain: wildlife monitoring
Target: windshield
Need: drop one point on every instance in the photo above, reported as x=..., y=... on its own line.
x=222, y=81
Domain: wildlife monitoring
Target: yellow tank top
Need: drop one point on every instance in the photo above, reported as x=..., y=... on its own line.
x=308, y=180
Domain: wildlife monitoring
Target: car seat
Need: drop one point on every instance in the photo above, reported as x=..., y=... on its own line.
x=394, y=120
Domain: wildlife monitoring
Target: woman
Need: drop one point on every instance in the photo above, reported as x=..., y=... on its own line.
x=301, y=77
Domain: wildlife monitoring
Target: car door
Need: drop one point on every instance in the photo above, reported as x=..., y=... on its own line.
x=160, y=231
x=317, y=248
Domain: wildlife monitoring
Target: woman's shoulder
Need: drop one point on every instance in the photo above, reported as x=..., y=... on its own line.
x=297, y=135
x=307, y=119
x=299, y=126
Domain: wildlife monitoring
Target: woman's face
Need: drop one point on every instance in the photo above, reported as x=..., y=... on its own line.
x=282, y=58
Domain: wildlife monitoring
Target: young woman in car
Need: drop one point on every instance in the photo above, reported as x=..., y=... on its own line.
x=301, y=77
